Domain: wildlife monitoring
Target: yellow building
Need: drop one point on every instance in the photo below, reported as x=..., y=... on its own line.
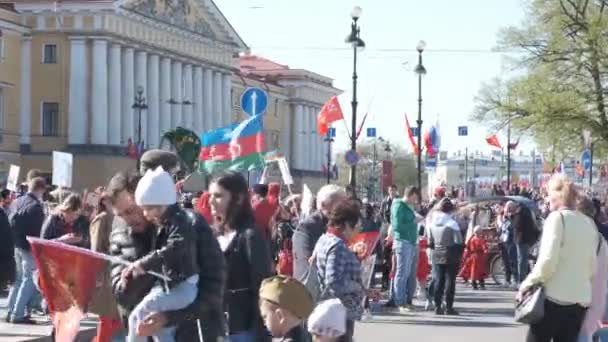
x=70, y=72
x=71, y=69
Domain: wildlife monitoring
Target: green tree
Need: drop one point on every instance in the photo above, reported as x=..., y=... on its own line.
x=561, y=90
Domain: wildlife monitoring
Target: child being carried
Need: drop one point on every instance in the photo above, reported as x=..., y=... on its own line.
x=174, y=254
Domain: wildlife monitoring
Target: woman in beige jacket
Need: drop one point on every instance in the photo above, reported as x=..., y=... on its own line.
x=103, y=302
x=565, y=266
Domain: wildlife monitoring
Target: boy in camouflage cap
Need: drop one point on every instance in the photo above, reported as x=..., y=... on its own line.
x=284, y=304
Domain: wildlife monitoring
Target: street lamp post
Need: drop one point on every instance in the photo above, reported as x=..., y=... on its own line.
x=141, y=105
x=329, y=140
x=420, y=71
x=355, y=40
x=509, y=154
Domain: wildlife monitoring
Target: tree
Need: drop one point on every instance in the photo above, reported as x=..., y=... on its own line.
x=562, y=89
x=368, y=174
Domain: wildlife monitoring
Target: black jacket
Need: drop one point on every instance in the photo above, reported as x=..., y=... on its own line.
x=248, y=263
x=524, y=227
x=174, y=247
x=304, y=240
x=208, y=304
x=386, y=209
x=54, y=227
x=7, y=252
x=26, y=217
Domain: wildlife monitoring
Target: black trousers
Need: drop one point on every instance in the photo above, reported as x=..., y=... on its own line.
x=445, y=283
x=561, y=323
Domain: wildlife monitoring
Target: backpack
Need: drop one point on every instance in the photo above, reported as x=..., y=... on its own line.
x=285, y=262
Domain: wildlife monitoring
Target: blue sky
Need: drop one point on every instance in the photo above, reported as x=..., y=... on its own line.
x=459, y=36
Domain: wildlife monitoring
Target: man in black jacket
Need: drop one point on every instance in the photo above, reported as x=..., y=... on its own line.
x=7, y=246
x=132, y=238
x=26, y=217
x=525, y=235
x=387, y=203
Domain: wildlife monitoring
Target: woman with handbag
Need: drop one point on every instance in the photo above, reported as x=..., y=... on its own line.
x=561, y=279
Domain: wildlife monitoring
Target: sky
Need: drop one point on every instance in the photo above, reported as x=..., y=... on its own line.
x=459, y=36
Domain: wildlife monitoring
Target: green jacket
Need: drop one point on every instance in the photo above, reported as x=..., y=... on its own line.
x=403, y=220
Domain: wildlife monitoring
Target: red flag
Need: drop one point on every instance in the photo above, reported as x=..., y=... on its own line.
x=410, y=134
x=330, y=112
x=361, y=127
x=493, y=141
x=364, y=244
x=67, y=277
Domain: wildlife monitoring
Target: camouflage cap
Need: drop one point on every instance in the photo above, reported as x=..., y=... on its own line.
x=153, y=158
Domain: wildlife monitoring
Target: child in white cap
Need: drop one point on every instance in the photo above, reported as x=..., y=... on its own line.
x=327, y=321
x=173, y=254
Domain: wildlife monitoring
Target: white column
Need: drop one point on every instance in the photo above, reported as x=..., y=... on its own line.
x=197, y=107
x=320, y=142
x=141, y=80
x=25, y=99
x=208, y=121
x=217, y=99
x=227, y=98
x=187, y=86
x=176, y=94
x=299, y=133
x=153, y=102
x=165, y=95
x=312, y=139
x=128, y=95
x=99, y=93
x=115, y=92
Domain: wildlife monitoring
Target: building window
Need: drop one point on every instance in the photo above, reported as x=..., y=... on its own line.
x=49, y=54
x=50, y=119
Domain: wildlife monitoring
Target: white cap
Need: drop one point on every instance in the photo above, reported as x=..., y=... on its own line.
x=156, y=187
x=328, y=319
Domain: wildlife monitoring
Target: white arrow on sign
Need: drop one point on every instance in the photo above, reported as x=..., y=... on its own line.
x=254, y=97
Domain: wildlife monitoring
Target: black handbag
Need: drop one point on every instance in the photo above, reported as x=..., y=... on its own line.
x=531, y=308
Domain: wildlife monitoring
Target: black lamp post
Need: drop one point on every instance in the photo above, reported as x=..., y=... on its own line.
x=420, y=71
x=355, y=40
x=141, y=105
x=329, y=140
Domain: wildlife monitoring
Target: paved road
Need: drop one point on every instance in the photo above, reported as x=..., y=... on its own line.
x=484, y=316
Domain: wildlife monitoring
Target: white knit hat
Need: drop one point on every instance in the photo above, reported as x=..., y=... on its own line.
x=156, y=187
x=328, y=319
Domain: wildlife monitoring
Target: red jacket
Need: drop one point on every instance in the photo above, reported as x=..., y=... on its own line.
x=203, y=208
x=263, y=212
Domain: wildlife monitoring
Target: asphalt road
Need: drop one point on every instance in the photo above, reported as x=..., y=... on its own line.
x=484, y=316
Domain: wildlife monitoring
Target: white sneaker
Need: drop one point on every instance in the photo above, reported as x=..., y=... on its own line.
x=367, y=316
x=429, y=306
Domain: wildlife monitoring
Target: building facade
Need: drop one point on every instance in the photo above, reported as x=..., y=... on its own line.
x=72, y=69
x=303, y=95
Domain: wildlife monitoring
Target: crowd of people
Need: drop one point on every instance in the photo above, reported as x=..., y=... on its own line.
x=248, y=264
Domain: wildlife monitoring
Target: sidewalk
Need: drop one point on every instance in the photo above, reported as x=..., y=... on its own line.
x=40, y=332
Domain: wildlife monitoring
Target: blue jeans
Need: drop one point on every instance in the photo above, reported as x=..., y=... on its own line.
x=523, y=250
x=404, y=254
x=180, y=296
x=245, y=336
x=24, y=292
x=411, y=280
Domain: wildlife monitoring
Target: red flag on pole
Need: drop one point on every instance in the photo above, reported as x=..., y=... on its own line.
x=410, y=135
x=330, y=112
x=493, y=141
x=67, y=277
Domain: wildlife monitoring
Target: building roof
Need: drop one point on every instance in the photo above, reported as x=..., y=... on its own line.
x=251, y=63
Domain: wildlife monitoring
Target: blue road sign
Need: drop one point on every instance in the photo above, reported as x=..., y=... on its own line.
x=586, y=160
x=463, y=131
x=254, y=101
x=371, y=132
x=431, y=162
x=415, y=131
x=351, y=157
x=332, y=132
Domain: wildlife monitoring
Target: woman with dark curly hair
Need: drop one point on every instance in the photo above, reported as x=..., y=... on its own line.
x=247, y=256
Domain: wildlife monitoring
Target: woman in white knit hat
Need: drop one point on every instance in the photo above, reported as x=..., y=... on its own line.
x=327, y=321
x=174, y=254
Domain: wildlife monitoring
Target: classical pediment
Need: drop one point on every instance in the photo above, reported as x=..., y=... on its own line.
x=199, y=16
